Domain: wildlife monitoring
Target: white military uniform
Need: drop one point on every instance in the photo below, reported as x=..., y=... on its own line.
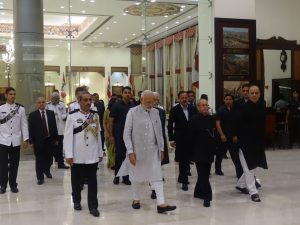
x=60, y=115
x=83, y=147
x=12, y=130
x=75, y=105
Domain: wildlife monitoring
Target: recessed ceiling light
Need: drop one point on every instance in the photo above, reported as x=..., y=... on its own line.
x=157, y=32
x=137, y=3
x=56, y=45
x=183, y=6
x=1, y=3
x=1, y=7
x=119, y=42
x=83, y=11
x=167, y=27
x=133, y=34
x=107, y=28
x=115, y=22
x=181, y=10
x=166, y=16
x=189, y=17
x=100, y=33
x=92, y=1
x=124, y=14
x=62, y=7
x=126, y=39
x=153, y=23
x=71, y=6
x=83, y=0
x=177, y=22
x=139, y=40
x=2, y=13
x=153, y=0
x=142, y=29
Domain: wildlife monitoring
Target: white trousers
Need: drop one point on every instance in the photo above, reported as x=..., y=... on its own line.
x=156, y=185
x=247, y=180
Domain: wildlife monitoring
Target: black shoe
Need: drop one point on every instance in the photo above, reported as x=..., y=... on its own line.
x=198, y=196
x=255, y=198
x=116, y=180
x=185, y=187
x=2, y=190
x=126, y=182
x=180, y=181
x=14, y=189
x=77, y=206
x=95, y=212
x=219, y=173
x=257, y=185
x=165, y=209
x=63, y=166
x=40, y=182
x=189, y=173
x=136, y=205
x=243, y=190
x=153, y=194
x=48, y=175
x=206, y=203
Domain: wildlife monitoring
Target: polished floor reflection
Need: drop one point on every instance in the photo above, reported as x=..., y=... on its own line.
x=51, y=203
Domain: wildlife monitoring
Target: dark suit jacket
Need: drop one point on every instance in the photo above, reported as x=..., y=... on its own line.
x=178, y=128
x=162, y=115
x=36, y=128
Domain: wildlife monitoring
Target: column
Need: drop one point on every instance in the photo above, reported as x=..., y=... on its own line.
x=29, y=51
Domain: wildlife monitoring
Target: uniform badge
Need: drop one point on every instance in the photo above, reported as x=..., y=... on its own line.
x=79, y=121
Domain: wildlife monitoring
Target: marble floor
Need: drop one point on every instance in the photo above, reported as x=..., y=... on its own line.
x=51, y=203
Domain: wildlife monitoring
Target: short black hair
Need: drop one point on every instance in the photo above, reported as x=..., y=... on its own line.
x=229, y=95
x=95, y=94
x=55, y=91
x=81, y=88
x=246, y=85
x=9, y=89
x=126, y=88
x=181, y=92
x=204, y=96
x=190, y=92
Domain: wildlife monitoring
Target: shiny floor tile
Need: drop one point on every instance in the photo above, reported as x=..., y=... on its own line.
x=51, y=203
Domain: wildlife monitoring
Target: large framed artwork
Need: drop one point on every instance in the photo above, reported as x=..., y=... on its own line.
x=234, y=54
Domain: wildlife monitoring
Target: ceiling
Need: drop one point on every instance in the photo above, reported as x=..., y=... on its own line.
x=105, y=22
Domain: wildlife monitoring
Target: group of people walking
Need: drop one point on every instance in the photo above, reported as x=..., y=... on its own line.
x=136, y=141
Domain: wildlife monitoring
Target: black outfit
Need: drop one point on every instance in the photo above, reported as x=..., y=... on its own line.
x=119, y=112
x=9, y=155
x=162, y=115
x=58, y=152
x=101, y=108
x=202, y=137
x=43, y=139
x=294, y=122
x=251, y=135
x=178, y=132
x=80, y=172
x=227, y=118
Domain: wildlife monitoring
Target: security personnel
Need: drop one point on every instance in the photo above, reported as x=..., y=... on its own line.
x=13, y=125
x=83, y=151
x=59, y=109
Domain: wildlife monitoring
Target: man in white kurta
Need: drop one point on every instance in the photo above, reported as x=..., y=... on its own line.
x=144, y=143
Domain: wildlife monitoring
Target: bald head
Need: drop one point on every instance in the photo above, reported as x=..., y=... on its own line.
x=254, y=93
x=41, y=103
x=202, y=106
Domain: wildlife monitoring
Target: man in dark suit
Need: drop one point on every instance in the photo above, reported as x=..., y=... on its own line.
x=43, y=135
x=178, y=135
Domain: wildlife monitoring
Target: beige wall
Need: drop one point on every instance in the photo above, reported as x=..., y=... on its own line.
x=239, y=9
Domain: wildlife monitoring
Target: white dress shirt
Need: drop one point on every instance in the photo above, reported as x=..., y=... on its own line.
x=60, y=115
x=82, y=149
x=12, y=130
x=185, y=111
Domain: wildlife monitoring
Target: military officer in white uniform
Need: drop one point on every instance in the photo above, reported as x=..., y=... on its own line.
x=59, y=109
x=145, y=147
x=13, y=126
x=83, y=151
x=75, y=105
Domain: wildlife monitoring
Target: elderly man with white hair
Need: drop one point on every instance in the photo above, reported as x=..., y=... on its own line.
x=145, y=146
x=60, y=112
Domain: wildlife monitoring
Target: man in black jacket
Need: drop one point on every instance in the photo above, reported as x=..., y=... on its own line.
x=43, y=135
x=179, y=137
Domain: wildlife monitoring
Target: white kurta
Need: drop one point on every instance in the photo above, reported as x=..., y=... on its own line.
x=148, y=165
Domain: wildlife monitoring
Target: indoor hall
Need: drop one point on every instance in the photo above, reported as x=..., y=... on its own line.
x=51, y=203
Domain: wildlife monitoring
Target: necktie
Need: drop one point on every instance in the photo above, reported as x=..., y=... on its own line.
x=44, y=124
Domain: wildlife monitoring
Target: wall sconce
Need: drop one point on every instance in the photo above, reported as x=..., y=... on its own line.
x=283, y=59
